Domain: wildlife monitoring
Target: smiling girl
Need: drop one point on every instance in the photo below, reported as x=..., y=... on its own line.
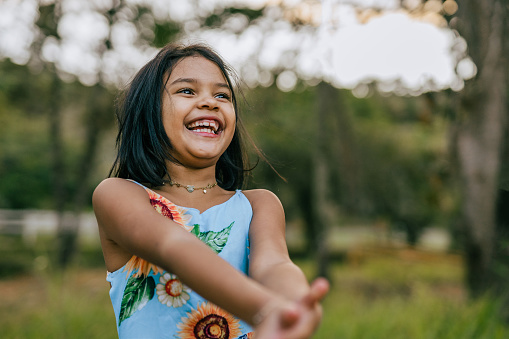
x=188, y=253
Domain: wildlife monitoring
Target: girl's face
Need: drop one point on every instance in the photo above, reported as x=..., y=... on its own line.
x=197, y=112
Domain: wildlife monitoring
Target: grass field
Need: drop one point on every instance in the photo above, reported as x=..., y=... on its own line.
x=381, y=295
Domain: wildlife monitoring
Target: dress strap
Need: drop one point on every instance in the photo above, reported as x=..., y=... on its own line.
x=137, y=183
x=148, y=190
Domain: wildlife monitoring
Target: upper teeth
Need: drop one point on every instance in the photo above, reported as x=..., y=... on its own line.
x=211, y=124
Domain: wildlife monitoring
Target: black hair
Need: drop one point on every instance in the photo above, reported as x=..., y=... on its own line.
x=143, y=147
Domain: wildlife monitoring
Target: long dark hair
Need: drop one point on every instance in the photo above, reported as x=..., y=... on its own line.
x=143, y=146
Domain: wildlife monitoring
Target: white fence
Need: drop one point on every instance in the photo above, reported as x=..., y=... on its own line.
x=32, y=223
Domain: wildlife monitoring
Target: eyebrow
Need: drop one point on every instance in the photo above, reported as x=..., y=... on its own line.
x=194, y=81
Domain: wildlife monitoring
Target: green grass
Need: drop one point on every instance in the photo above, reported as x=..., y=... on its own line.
x=406, y=299
x=380, y=297
x=70, y=305
x=422, y=315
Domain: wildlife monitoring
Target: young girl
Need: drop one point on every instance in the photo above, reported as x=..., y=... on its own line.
x=190, y=255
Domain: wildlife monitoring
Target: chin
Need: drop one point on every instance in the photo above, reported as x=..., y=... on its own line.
x=201, y=162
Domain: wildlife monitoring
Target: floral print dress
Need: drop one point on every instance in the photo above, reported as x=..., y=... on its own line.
x=152, y=303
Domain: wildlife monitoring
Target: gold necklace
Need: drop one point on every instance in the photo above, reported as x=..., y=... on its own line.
x=190, y=188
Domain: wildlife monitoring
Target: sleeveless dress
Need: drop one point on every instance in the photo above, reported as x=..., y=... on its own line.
x=152, y=303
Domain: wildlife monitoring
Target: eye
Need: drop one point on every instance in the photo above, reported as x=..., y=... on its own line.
x=185, y=91
x=223, y=96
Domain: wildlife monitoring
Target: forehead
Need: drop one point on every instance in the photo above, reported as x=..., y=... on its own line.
x=197, y=68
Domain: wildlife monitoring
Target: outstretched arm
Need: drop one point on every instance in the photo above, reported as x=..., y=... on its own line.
x=271, y=265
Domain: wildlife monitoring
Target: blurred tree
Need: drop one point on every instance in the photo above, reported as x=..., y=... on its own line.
x=321, y=190
x=404, y=164
x=93, y=106
x=480, y=126
x=396, y=159
x=22, y=141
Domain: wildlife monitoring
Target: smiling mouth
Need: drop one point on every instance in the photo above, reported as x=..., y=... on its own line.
x=204, y=126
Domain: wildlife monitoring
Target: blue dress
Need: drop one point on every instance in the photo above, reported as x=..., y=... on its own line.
x=152, y=303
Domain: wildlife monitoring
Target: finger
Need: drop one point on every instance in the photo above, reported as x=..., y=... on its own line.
x=289, y=316
x=317, y=291
x=279, y=323
x=303, y=328
x=320, y=287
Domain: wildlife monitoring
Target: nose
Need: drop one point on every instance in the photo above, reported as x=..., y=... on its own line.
x=209, y=103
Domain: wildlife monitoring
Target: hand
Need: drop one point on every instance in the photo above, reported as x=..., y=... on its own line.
x=295, y=320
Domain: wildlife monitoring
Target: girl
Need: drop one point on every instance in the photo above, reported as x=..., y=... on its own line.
x=179, y=236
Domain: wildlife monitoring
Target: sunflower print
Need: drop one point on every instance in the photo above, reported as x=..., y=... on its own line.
x=209, y=321
x=169, y=210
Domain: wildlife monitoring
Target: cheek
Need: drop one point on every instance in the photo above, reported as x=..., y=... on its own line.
x=171, y=118
x=232, y=118
x=230, y=138
x=231, y=131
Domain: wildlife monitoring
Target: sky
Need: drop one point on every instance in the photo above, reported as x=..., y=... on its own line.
x=345, y=42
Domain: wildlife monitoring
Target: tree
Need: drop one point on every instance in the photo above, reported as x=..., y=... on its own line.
x=480, y=126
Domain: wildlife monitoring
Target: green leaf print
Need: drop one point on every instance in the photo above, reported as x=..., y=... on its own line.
x=137, y=294
x=215, y=240
x=196, y=230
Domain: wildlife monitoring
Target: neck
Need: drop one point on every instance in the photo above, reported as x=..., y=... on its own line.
x=189, y=176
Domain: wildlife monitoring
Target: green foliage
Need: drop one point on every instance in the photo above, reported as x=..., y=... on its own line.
x=283, y=127
x=402, y=173
x=217, y=19
x=26, y=155
x=404, y=162
x=165, y=33
x=48, y=22
x=24, y=167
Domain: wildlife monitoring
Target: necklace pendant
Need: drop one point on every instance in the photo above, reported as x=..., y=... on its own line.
x=204, y=191
x=190, y=188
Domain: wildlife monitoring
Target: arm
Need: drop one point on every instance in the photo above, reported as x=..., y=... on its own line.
x=126, y=217
x=270, y=264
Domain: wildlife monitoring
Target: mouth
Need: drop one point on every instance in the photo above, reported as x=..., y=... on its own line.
x=205, y=126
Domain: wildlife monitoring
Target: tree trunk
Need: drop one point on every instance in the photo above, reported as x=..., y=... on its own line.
x=94, y=123
x=345, y=154
x=479, y=136
x=321, y=202
x=65, y=222
x=97, y=118
x=335, y=178
x=501, y=251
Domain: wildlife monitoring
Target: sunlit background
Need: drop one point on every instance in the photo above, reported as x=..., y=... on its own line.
x=386, y=121
x=347, y=43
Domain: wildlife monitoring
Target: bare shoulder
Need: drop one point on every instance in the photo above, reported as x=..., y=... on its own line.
x=116, y=194
x=262, y=197
x=264, y=203
x=114, y=187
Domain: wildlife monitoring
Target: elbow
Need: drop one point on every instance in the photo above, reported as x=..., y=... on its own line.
x=170, y=248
